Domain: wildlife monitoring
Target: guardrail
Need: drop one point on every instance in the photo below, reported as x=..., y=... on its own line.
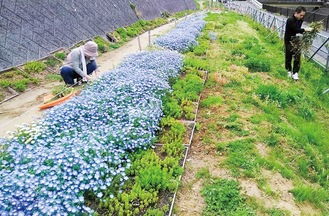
x=320, y=47
x=257, y=4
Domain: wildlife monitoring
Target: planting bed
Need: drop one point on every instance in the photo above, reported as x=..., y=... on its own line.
x=87, y=156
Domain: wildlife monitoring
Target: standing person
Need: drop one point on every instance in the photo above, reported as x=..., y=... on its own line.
x=293, y=26
x=80, y=63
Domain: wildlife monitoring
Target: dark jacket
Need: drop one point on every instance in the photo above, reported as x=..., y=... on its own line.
x=293, y=26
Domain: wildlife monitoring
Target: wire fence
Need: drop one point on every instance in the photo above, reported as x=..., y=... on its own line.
x=319, y=52
x=311, y=16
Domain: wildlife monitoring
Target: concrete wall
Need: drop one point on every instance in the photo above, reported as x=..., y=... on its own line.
x=31, y=29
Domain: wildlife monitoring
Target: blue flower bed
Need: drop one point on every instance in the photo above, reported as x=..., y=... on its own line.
x=47, y=166
x=183, y=37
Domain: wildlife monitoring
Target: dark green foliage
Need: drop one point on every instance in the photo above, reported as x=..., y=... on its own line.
x=258, y=64
x=223, y=198
x=60, y=55
x=171, y=107
x=102, y=44
x=274, y=94
x=122, y=32
x=52, y=62
x=20, y=85
x=188, y=88
x=306, y=193
x=273, y=139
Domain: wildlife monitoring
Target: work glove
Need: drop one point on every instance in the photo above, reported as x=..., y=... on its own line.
x=308, y=29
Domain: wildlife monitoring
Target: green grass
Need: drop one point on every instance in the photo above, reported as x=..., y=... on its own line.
x=306, y=193
x=53, y=77
x=223, y=198
x=212, y=101
x=289, y=118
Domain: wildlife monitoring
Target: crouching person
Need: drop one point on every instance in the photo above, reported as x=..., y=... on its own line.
x=80, y=63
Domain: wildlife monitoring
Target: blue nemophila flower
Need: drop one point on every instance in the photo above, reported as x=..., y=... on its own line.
x=183, y=37
x=85, y=143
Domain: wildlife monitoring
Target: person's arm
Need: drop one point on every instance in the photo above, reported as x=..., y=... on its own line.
x=76, y=64
x=292, y=26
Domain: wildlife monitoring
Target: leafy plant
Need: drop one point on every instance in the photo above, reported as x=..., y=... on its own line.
x=20, y=85
x=60, y=91
x=34, y=66
x=304, y=193
x=174, y=130
x=188, y=109
x=203, y=173
x=304, y=43
x=122, y=32
x=223, y=198
x=188, y=88
x=60, y=55
x=51, y=61
x=54, y=77
x=102, y=44
x=171, y=108
x=258, y=65
x=174, y=149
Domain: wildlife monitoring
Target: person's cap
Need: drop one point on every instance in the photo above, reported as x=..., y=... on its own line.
x=90, y=49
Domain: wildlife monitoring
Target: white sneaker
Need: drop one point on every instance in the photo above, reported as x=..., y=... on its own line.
x=295, y=76
x=289, y=74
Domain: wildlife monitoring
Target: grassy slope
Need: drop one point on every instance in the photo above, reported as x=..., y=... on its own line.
x=257, y=121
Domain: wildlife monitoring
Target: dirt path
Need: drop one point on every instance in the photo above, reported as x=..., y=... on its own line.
x=25, y=107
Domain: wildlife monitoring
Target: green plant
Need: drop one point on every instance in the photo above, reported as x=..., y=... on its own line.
x=60, y=91
x=223, y=198
x=60, y=55
x=154, y=212
x=304, y=193
x=5, y=83
x=273, y=139
x=196, y=63
x=304, y=43
x=122, y=32
x=233, y=117
x=212, y=101
x=175, y=131
x=102, y=44
x=188, y=88
x=203, y=173
x=241, y=155
x=274, y=94
x=171, y=107
x=306, y=112
x=188, y=109
x=53, y=77
x=34, y=67
x=174, y=149
x=2, y=97
x=114, y=46
x=20, y=85
x=255, y=64
x=8, y=75
x=51, y=61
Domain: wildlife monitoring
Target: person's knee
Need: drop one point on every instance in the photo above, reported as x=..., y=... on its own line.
x=65, y=70
x=91, y=67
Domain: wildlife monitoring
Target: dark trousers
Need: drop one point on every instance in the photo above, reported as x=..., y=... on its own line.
x=289, y=55
x=69, y=74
